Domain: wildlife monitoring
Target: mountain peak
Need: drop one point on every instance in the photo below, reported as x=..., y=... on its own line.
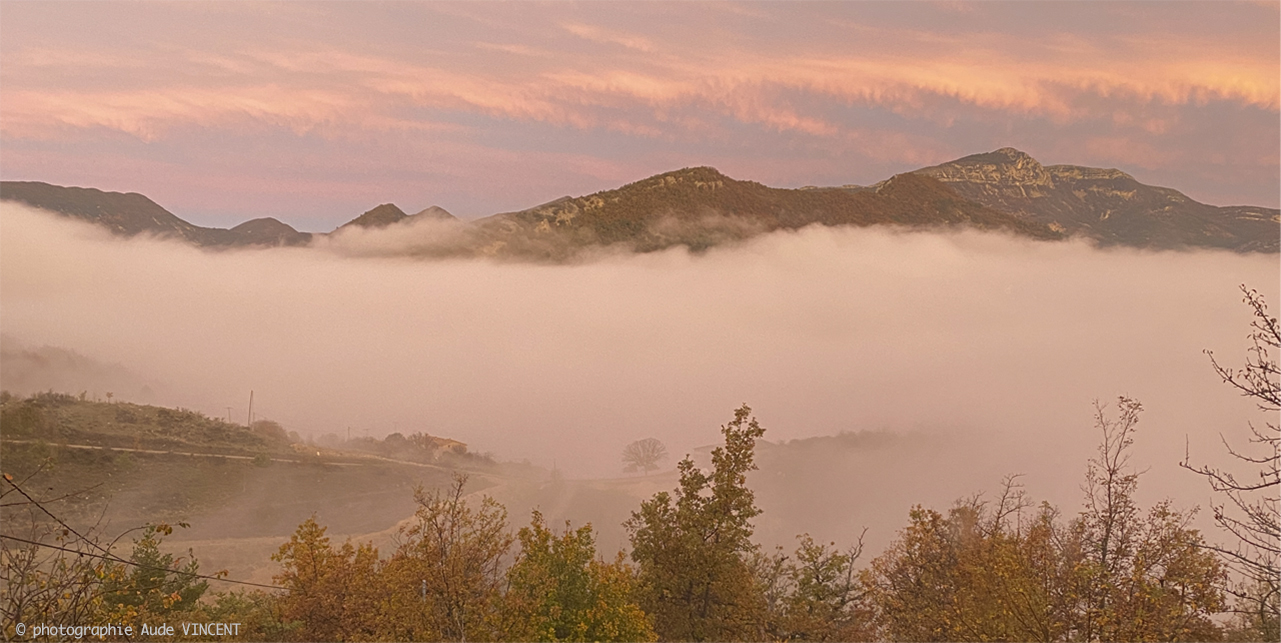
x=435, y=212
x=269, y=231
x=266, y=224
x=702, y=176
x=1005, y=166
x=697, y=173
x=379, y=217
x=1014, y=154
x=1002, y=156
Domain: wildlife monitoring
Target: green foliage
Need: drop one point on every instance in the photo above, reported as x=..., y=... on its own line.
x=814, y=595
x=693, y=549
x=257, y=612
x=559, y=591
x=155, y=585
x=71, y=579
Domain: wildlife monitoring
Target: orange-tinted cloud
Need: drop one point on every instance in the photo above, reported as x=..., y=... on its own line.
x=831, y=79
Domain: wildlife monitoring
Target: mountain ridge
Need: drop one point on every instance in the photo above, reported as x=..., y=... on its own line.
x=1105, y=204
x=700, y=207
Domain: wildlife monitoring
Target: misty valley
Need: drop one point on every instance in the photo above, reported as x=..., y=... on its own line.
x=640, y=321
x=953, y=434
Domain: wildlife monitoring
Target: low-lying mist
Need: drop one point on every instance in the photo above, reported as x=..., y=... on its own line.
x=983, y=351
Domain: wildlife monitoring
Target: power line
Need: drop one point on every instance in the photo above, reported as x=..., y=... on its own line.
x=106, y=553
x=118, y=559
x=41, y=507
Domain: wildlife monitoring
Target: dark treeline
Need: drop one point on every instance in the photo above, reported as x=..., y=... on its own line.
x=988, y=568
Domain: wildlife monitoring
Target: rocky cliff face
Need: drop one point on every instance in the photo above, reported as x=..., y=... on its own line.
x=1107, y=205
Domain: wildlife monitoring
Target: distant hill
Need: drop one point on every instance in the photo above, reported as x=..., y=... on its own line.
x=700, y=207
x=388, y=214
x=1107, y=205
x=435, y=212
x=268, y=232
x=117, y=465
x=129, y=214
x=379, y=217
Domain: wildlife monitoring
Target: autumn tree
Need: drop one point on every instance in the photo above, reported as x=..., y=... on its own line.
x=558, y=590
x=978, y=572
x=332, y=594
x=57, y=574
x=445, y=578
x=1004, y=572
x=693, y=547
x=814, y=594
x=644, y=455
x=57, y=584
x=257, y=612
x=1147, y=576
x=1250, y=511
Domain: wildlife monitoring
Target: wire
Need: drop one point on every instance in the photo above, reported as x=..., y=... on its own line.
x=117, y=559
x=41, y=507
x=106, y=553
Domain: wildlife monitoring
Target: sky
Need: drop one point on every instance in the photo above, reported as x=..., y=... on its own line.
x=315, y=112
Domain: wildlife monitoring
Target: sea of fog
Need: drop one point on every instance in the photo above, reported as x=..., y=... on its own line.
x=988, y=350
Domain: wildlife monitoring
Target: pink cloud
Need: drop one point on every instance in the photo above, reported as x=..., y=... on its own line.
x=280, y=81
x=890, y=85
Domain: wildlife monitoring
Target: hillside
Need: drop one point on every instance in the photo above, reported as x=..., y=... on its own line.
x=379, y=217
x=119, y=465
x=700, y=207
x=129, y=214
x=1107, y=205
x=65, y=419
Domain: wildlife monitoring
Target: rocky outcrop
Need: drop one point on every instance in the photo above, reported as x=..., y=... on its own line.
x=1106, y=205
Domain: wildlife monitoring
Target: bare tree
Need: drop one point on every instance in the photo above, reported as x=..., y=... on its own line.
x=1250, y=512
x=644, y=455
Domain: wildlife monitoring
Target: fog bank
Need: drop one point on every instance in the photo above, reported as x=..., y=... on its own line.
x=996, y=345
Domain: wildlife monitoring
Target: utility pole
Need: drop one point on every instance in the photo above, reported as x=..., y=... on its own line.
x=251, y=409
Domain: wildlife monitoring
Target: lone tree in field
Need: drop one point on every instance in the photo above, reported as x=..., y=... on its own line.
x=644, y=455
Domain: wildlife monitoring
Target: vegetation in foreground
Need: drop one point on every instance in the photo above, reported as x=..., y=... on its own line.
x=1002, y=569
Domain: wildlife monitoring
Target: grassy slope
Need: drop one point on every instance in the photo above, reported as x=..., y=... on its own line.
x=240, y=508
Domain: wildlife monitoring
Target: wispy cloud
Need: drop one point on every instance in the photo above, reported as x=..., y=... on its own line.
x=697, y=81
